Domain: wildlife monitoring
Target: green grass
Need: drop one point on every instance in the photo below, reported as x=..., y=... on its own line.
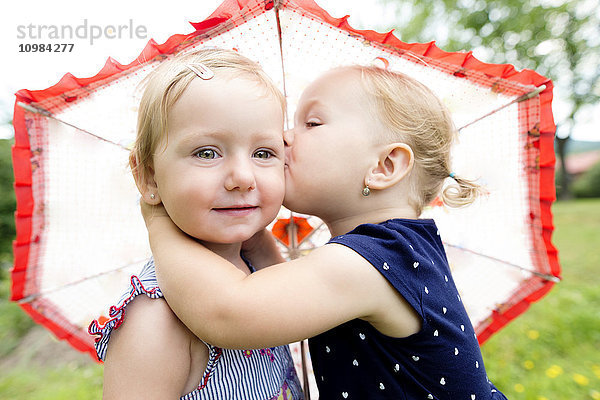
x=551, y=352
x=14, y=323
x=59, y=383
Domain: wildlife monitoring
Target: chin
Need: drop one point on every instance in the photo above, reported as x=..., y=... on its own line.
x=297, y=206
x=223, y=237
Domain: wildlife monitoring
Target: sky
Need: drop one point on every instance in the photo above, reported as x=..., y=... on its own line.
x=24, y=22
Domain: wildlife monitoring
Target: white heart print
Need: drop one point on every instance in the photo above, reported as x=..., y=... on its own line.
x=429, y=396
x=443, y=381
x=426, y=290
x=436, y=333
x=416, y=358
x=444, y=310
x=345, y=395
x=355, y=363
x=455, y=351
x=362, y=336
x=472, y=397
x=327, y=349
x=381, y=386
x=386, y=266
x=396, y=368
x=415, y=264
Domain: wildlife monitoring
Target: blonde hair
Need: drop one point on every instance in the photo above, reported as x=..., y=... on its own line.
x=414, y=115
x=165, y=85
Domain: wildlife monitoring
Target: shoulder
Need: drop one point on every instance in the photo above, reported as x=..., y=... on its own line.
x=149, y=325
x=151, y=335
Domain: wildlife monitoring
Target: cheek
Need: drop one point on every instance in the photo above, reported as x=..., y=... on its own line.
x=273, y=190
x=314, y=153
x=186, y=191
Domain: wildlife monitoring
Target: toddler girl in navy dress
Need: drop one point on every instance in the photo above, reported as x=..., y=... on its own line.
x=370, y=148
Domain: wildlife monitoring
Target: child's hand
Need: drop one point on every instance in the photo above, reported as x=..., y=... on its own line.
x=261, y=250
x=150, y=212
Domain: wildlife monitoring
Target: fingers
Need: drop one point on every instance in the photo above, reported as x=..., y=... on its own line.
x=152, y=211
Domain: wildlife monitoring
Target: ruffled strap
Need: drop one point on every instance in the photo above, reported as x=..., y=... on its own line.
x=144, y=283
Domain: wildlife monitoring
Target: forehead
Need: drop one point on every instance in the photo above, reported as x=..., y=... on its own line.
x=341, y=81
x=337, y=89
x=222, y=105
x=229, y=94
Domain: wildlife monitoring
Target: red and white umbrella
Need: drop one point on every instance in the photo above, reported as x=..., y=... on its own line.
x=79, y=231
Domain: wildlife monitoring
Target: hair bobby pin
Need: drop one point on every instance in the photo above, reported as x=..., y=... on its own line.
x=452, y=175
x=201, y=71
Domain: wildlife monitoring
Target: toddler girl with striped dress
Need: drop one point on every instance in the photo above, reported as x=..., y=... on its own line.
x=209, y=149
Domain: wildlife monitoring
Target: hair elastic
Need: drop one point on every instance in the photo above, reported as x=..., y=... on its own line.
x=452, y=175
x=201, y=71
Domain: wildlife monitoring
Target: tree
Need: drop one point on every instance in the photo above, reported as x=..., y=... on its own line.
x=7, y=201
x=559, y=39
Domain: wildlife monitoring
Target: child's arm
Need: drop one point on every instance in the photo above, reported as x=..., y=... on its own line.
x=148, y=355
x=277, y=305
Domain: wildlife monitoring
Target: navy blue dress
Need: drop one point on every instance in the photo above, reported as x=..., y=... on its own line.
x=441, y=361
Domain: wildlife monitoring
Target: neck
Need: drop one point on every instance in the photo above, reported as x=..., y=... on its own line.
x=229, y=251
x=343, y=225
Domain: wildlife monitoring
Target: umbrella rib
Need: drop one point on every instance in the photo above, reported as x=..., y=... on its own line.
x=547, y=277
x=48, y=114
x=280, y=37
x=519, y=99
x=55, y=289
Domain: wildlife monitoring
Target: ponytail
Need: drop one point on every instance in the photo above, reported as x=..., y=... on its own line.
x=461, y=193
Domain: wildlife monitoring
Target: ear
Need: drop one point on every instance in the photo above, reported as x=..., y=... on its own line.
x=394, y=164
x=144, y=180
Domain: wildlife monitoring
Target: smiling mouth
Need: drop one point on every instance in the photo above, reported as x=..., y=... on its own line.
x=236, y=211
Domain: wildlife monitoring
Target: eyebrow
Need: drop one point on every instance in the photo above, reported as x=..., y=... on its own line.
x=191, y=137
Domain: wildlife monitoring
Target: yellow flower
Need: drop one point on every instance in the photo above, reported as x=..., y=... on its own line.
x=554, y=371
x=595, y=395
x=533, y=334
x=519, y=388
x=528, y=364
x=581, y=379
x=542, y=398
x=596, y=369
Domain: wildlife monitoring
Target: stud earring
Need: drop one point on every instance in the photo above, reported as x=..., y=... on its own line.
x=366, y=191
x=152, y=196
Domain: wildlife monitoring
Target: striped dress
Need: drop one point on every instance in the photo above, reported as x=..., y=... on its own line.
x=262, y=374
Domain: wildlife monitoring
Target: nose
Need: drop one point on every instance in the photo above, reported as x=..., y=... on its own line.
x=240, y=175
x=288, y=137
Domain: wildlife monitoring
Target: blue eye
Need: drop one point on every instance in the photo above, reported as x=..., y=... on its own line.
x=263, y=154
x=206, y=154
